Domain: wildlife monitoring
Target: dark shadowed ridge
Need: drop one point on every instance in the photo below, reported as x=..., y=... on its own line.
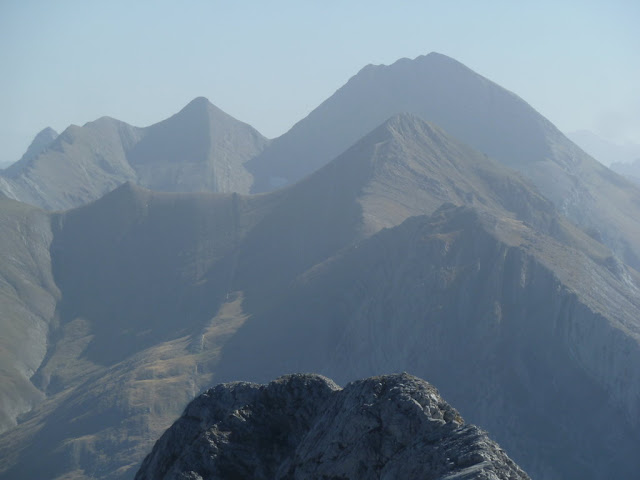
x=305, y=426
x=481, y=114
x=201, y=148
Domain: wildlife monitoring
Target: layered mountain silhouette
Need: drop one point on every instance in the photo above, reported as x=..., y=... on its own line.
x=305, y=426
x=204, y=149
x=630, y=170
x=478, y=112
x=605, y=151
x=410, y=251
x=200, y=148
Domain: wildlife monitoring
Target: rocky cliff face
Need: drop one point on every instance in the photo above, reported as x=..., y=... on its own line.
x=305, y=426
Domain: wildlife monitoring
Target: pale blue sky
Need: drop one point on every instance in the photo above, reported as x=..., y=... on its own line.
x=269, y=63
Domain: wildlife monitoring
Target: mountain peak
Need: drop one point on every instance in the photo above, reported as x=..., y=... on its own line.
x=41, y=141
x=403, y=123
x=324, y=437
x=200, y=105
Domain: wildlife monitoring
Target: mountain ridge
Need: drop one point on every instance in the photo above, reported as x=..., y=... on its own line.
x=479, y=113
x=410, y=250
x=325, y=431
x=199, y=148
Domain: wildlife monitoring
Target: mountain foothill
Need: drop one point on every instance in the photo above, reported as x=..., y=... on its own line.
x=422, y=219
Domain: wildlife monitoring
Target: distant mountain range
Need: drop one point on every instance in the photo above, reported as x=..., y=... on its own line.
x=605, y=151
x=204, y=149
x=622, y=159
x=200, y=148
x=477, y=248
x=630, y=170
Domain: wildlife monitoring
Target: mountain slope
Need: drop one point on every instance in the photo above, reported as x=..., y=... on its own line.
x=603, y=150
x=481, y=114
x=510, y=324
x=630, y=170
x=28, y=296
x=305, y=426
x=163, y=294
x=200, y=148
x=39, y=144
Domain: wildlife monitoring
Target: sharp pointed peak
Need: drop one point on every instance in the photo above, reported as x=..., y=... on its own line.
x=201, y=106
x=104, y=120
x=40, y=143
x=47, y=132
x=407, y=124
x=199, y=102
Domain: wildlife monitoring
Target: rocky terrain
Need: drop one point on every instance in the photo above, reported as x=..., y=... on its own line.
x=305, y=426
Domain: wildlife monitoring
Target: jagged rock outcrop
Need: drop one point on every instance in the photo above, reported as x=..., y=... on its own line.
x=304, y=426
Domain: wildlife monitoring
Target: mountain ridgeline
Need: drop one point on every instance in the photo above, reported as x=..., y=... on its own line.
x=477, y=112
x=200, y=148
x=409, y=249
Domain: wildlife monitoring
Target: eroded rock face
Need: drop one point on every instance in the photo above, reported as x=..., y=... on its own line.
x=305, y=426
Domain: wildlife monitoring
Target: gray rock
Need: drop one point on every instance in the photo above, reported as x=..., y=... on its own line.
x=305, y=426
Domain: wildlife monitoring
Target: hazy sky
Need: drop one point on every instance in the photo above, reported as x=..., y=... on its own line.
x=269, y=63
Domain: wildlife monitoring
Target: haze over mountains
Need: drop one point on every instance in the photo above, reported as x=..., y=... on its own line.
x=408, y=248
x=174, y=155
x=478, y=112
x=200, y=148
x=622, y=159
x=603, y=150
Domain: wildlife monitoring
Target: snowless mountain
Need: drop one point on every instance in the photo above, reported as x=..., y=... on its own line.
x=200, y=148
x=305, y=426
x=508, y=283
x=479, y=113
x=357, y=270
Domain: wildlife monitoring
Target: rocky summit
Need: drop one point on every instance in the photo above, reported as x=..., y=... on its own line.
x=305, y=426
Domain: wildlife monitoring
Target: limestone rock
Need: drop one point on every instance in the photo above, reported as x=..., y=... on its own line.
x=305, y=426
